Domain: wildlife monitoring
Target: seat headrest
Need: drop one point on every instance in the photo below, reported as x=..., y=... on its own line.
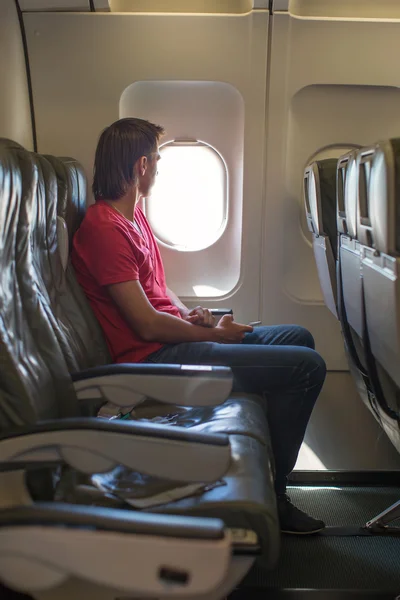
x=7, y=144
x=347, y=182
x=320, y=199
x=383, y=198
x=363, y=166
x=72, y=188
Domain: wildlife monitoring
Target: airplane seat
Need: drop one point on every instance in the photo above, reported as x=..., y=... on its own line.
x=378, y=223
x=42, y=426
x=41, y=416
x=330, y=216
x=83, y=344
x=320, y=203
x=349, y=265
x=367, y=189
x=350, y=295
x=378, y=200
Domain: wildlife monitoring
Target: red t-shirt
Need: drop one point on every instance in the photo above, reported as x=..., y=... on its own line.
x=108, y=249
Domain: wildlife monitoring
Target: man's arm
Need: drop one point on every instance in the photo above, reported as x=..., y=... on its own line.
x=154, y=326
x=176, y=302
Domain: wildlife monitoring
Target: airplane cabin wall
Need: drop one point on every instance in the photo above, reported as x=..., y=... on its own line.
x=83, y=63
x=15, y=115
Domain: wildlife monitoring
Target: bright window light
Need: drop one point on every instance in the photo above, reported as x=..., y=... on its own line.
x=308, y=460
x=208, y=291
x=188, y=206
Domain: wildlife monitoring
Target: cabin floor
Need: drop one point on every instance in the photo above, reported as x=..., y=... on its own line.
x=338, y=564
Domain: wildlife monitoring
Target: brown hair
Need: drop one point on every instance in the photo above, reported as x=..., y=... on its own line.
x=119, y=147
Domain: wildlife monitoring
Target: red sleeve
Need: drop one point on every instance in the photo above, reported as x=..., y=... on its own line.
x=111, y=256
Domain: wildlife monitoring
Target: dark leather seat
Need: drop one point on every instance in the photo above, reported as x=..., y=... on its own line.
x=41, y=346
x=320, y=203
x=61, y=201
x=378, y=233
x=368, y=291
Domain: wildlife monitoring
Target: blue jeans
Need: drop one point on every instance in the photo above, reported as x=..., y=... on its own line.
x=278, y=363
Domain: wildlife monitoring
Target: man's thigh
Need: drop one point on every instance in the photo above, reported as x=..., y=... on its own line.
x=189, y=353
x=257, y=368
x=280, y=335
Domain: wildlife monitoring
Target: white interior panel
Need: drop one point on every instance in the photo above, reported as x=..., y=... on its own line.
x=343, y=434
x=185, y=6
x=15, y=116
x=27, y=5
x=182, y=6
x=212, y=112
x=328, y=86
x=320, y=115
x=82, y=63
x=382, y=9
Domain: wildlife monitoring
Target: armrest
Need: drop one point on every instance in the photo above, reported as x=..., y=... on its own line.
x=43, y=546
x=127, y=385
x=220, y=312
x=97, y=446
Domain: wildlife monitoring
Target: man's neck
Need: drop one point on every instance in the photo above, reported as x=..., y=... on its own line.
x=127, y=203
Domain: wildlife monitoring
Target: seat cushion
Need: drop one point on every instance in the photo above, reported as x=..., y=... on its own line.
x=243, y=499
x=239, y=415
x=247, y=501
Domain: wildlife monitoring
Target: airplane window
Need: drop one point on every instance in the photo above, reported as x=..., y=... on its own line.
x=188, y=206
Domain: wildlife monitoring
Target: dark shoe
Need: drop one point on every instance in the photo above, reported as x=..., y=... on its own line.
x=295, y=521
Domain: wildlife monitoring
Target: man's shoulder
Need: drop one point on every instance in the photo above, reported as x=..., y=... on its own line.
x=102, y=218
x=100, y=212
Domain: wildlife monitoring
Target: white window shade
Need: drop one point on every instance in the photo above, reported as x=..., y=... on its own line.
x=188, y=206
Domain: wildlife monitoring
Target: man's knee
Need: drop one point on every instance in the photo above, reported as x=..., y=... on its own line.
x=315, y=366
x=302, y=337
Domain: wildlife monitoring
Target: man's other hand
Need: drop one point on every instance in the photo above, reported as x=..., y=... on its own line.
x=200, y=316
x=231, y=332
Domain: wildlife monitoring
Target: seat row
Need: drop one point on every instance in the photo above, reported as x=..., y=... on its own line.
x=116, y=480
x=353, y=211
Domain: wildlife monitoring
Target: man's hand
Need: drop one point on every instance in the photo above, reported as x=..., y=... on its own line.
x=199, y=316
x=231, y=332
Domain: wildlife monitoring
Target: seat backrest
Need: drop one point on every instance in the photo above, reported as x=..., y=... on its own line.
x=34, y=381
x=62, y=182
x=72, y=192
x=71, y=209
x=320, y=203
x=380, y=255
x=364, y=166
x=379, y=222
x=346, y=193
x=349, y=267
x=320, y=199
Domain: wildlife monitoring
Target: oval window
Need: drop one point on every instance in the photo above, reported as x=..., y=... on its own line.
x=188, y=206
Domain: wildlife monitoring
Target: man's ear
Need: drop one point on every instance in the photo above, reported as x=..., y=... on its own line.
x=142, y=165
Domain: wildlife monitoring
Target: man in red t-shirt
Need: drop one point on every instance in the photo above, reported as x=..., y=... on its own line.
x=119, y=266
